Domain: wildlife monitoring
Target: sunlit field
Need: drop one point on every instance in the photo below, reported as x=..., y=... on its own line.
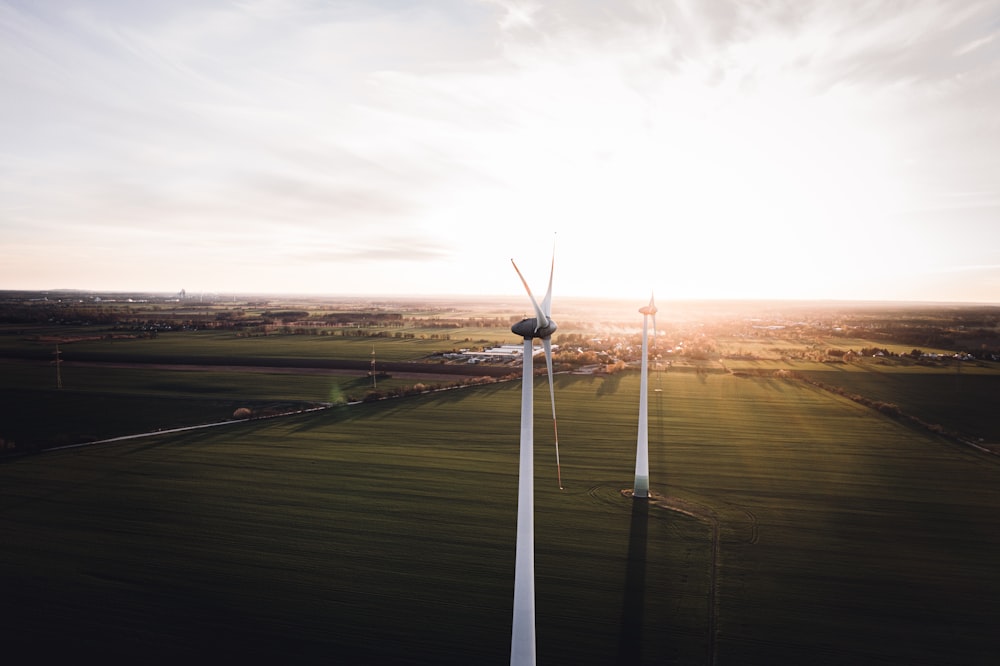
x=195, y=346
x=821, y=532
x=960, y=398
x=99, y=401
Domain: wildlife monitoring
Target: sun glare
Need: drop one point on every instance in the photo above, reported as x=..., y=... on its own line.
x=708, y=151
x=724, y=196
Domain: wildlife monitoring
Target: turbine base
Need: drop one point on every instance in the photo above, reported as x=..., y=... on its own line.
x=641, y=490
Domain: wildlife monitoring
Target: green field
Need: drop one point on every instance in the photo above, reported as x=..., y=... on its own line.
x=195, y=345
x=190, y=346
x=962, y=397
x=383, y=533
x=99, y=401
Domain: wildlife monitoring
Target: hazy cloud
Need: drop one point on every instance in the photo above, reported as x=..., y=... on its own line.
x=392, y=248
x=401, y=131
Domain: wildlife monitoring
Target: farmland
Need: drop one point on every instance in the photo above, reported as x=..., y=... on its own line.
x=384, y=532
x=801, y=525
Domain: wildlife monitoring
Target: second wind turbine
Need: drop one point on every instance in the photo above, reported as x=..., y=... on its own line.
x=641, y=487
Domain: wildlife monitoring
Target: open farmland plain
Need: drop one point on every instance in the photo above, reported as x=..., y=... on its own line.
x=816, y=530
x=954, y=398
x=104, y=400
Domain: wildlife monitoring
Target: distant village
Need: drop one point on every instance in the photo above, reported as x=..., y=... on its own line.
x=824, y=332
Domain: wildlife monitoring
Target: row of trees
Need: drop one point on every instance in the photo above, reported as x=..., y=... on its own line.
x=420, y=387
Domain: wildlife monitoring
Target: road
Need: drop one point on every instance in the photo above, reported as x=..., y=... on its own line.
x=184, y=429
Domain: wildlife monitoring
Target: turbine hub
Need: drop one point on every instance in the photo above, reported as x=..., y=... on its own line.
x=528, y=329
x=648, y=309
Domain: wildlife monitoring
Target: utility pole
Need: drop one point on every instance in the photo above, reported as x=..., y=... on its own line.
x=374, y=383
x=58, y=362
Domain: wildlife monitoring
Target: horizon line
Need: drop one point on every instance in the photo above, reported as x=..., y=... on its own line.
x=192, y=295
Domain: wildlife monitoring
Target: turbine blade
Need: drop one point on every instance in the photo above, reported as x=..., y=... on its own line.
x=547, y=301
x=540, y=319
x=547, y=344
x=652, y=306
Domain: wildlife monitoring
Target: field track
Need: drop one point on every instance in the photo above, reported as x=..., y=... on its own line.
x=285, y=370
x=265, y=362
x=172, y=431
x=703, y=514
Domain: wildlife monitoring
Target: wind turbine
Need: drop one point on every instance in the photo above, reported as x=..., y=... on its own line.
x=522, y=640
x=641, y=487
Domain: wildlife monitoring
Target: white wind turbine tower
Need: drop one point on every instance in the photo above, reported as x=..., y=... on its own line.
x=522, y=641
x=641, y=487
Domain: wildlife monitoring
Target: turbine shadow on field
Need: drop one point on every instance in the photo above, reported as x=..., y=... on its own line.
x=323, y=419
x=630, y=631
x=609, y=384
x=568, y=379
x=442, y=396
x=462, y=392
x=770, y=383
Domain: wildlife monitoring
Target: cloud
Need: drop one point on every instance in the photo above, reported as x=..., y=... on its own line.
x=971, y=268
x=406, y=249
x=331, y=130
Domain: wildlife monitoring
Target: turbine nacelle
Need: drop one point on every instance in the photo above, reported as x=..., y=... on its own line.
x=649, y=309
x=529, y=329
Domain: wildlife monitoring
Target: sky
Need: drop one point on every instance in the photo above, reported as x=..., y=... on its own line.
x=724, y=149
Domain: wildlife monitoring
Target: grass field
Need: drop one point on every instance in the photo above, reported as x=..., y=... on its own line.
x=102, y=401
x=384, y=533
x=963, y=398
x=169, y=347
